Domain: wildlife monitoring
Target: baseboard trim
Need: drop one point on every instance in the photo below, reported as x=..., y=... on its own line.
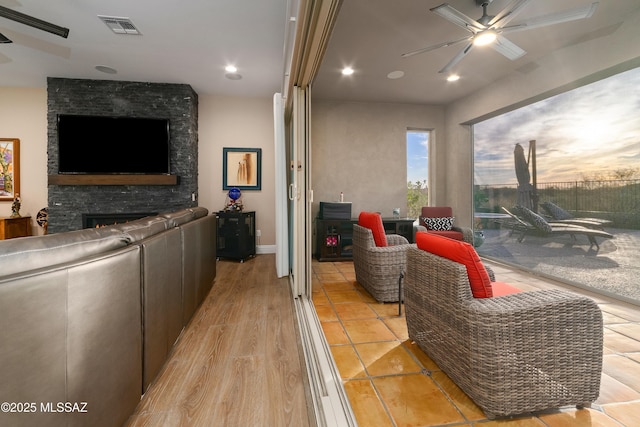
x=265, y=249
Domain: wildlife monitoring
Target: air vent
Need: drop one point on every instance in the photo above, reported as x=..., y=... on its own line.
x=120, y=25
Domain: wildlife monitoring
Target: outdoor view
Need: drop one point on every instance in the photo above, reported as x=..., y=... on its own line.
x=417, y=171
x=574, y=159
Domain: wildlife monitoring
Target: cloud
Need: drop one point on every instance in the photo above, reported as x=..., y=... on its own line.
x=592, y=129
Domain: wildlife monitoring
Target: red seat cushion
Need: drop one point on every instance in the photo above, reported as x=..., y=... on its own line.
x=373, y=221
x=501, y=288
x=463, y=253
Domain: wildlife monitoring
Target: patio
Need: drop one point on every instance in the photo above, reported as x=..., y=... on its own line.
x=612, y=270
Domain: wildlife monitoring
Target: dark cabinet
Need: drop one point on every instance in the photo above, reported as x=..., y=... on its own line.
x=334, y=237
x=236, y=235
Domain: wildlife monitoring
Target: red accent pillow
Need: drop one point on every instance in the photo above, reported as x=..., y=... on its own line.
x=373, y=221
x=463, y=253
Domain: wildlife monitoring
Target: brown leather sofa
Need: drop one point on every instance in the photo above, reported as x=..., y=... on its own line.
x=88, y=317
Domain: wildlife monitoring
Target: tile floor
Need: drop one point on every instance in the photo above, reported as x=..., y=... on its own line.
x=391, y=382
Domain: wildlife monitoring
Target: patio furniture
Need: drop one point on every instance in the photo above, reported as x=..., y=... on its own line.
x=512, y=354
x=560, y=215
x=527, y=222
x=439, y=220
x=378, y=268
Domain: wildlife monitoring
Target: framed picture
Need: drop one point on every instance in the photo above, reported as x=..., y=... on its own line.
x=241, y=168
x=9, y=168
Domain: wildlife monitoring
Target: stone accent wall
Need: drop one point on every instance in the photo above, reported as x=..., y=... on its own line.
x=177, y=102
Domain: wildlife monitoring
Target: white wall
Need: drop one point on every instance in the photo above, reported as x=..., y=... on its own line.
x=225, y=121
x=23, y=115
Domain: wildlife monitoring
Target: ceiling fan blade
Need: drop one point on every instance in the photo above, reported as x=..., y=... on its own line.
x=457, y=58
x=456, y=17
x=553, y=18
x=4, y=39
x=434, y=47
x=508, y=13
x=507, y=48
x=11, y=14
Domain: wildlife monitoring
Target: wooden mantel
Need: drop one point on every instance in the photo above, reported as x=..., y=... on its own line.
x=113, y=179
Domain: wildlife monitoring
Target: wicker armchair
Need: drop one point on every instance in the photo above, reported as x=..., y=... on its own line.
x=513, y=354
x=435, y=212
x=378, y=268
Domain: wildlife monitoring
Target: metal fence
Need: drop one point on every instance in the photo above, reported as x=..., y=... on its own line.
x=617, y=200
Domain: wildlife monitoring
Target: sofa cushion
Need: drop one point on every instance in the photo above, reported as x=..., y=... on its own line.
x=373, y=221
x=178, y=218
x=500, y=289
x=439, y=223
x=463, y=253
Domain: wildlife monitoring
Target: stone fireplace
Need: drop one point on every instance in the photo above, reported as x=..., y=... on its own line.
x=97, y=220
x=68, y=201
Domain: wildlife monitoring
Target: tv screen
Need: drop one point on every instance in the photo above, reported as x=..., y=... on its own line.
x=112, y=145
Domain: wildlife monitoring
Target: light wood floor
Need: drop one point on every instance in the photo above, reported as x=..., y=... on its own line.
x=237, y=363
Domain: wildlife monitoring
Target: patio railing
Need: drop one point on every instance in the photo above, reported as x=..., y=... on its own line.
x=617, y=200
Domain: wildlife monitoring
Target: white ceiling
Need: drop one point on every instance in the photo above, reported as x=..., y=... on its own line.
x=192, y=41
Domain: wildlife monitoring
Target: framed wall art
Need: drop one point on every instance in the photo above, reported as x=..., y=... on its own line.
x=9, y=168
x=241, y=168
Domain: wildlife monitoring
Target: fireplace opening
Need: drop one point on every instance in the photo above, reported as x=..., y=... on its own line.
x=94, y=220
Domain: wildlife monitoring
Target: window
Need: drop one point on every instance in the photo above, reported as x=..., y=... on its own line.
x=417, y=171
x=579, y=151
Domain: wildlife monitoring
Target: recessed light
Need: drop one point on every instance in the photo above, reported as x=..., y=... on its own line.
x=395, y=75
x=453, y=78
x=347, y=71
x=106, y=69
x=230, y=69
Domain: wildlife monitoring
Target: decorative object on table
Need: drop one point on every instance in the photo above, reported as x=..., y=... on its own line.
x=15, y=207
x=396, y=213
x=234, y=201
x=9, y=168
x=42, y=219
x=242, y=168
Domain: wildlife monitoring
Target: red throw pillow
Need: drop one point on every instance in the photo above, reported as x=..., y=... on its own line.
x=463, y=253
x=373, y=221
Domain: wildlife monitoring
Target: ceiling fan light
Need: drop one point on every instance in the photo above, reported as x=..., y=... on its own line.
x=485, y=38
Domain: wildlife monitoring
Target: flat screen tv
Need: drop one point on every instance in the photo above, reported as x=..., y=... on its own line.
x=112, y=145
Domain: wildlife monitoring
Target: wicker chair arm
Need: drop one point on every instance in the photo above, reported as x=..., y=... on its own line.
x=467, y=233
x=396, y=239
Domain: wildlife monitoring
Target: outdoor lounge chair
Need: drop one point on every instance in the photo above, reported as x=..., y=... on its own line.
x=560, y=215
x=527, y=222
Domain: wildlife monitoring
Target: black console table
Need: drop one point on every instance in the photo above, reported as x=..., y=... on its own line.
x=236, y=235
x=334, y=237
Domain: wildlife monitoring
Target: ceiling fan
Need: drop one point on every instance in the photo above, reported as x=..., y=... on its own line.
x=22, y=18
x=490, y=29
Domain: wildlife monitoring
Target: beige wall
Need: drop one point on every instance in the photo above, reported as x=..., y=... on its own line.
x=360, y=149
x=23, y=115
x=223, y=122
x=237, y=122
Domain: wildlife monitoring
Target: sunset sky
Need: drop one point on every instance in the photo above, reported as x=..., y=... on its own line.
x=592, y=130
